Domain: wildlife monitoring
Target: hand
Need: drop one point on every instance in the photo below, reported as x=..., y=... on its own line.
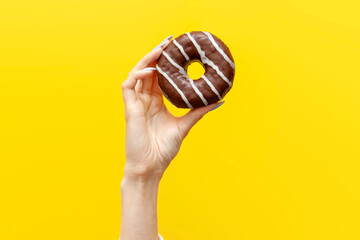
x=153, y=134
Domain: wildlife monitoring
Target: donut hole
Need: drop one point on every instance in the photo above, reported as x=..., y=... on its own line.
x=195, y=69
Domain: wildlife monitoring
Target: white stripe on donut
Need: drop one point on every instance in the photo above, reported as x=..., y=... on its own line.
x=212, y=87
x=220, y=50
x=175, y=86
x=181, y=50
x=186, y=76
x=205, y=60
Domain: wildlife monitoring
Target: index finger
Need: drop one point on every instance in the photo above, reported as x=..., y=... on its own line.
x=153, y=55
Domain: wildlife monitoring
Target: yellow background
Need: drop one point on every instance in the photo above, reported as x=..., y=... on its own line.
x=279, y=160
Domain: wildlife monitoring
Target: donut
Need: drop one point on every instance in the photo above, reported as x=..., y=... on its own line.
x=214, y=56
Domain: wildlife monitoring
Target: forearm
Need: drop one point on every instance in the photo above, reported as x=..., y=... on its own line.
x=139, y=207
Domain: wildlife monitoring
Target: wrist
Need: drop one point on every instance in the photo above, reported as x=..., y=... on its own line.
x=142, y=174
x=135, y=179
x=134, y=183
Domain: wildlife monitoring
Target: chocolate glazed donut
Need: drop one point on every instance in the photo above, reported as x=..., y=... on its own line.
x=215, y=57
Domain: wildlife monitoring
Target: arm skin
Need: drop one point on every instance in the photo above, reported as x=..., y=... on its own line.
x=139, y=208
x=153, y=138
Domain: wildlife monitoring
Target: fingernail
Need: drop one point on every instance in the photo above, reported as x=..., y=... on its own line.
x=163, y=42
x=159, y=46
x=168, y=38
x=221, y=103
x=149, y=69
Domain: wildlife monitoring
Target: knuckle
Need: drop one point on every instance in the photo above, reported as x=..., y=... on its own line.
x=131, y=73
x=123, y=85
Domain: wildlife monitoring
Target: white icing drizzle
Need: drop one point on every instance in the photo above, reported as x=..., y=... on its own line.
x=212, y=87
x=175, y=86
x=181, y=50
x=182, y=71
x=205, y=60
x=220, y=50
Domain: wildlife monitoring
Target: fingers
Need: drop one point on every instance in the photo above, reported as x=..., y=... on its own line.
x=138, y=87
x=130, y=82
x=128, y=86
x=153, y=55
x=147, y=84
x=144, y=64
x=148, y=59
x=144, y=71
x=155, y=90
x=187, y=121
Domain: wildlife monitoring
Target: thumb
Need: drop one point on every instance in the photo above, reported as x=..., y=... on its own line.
x=187, y=121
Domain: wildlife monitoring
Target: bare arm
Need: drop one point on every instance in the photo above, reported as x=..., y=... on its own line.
x=153, y=138
x=139, y=208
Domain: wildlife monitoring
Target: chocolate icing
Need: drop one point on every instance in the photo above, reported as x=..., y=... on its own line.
x=183, y=82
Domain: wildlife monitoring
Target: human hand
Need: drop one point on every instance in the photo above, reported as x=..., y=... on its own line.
x=153, y=134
